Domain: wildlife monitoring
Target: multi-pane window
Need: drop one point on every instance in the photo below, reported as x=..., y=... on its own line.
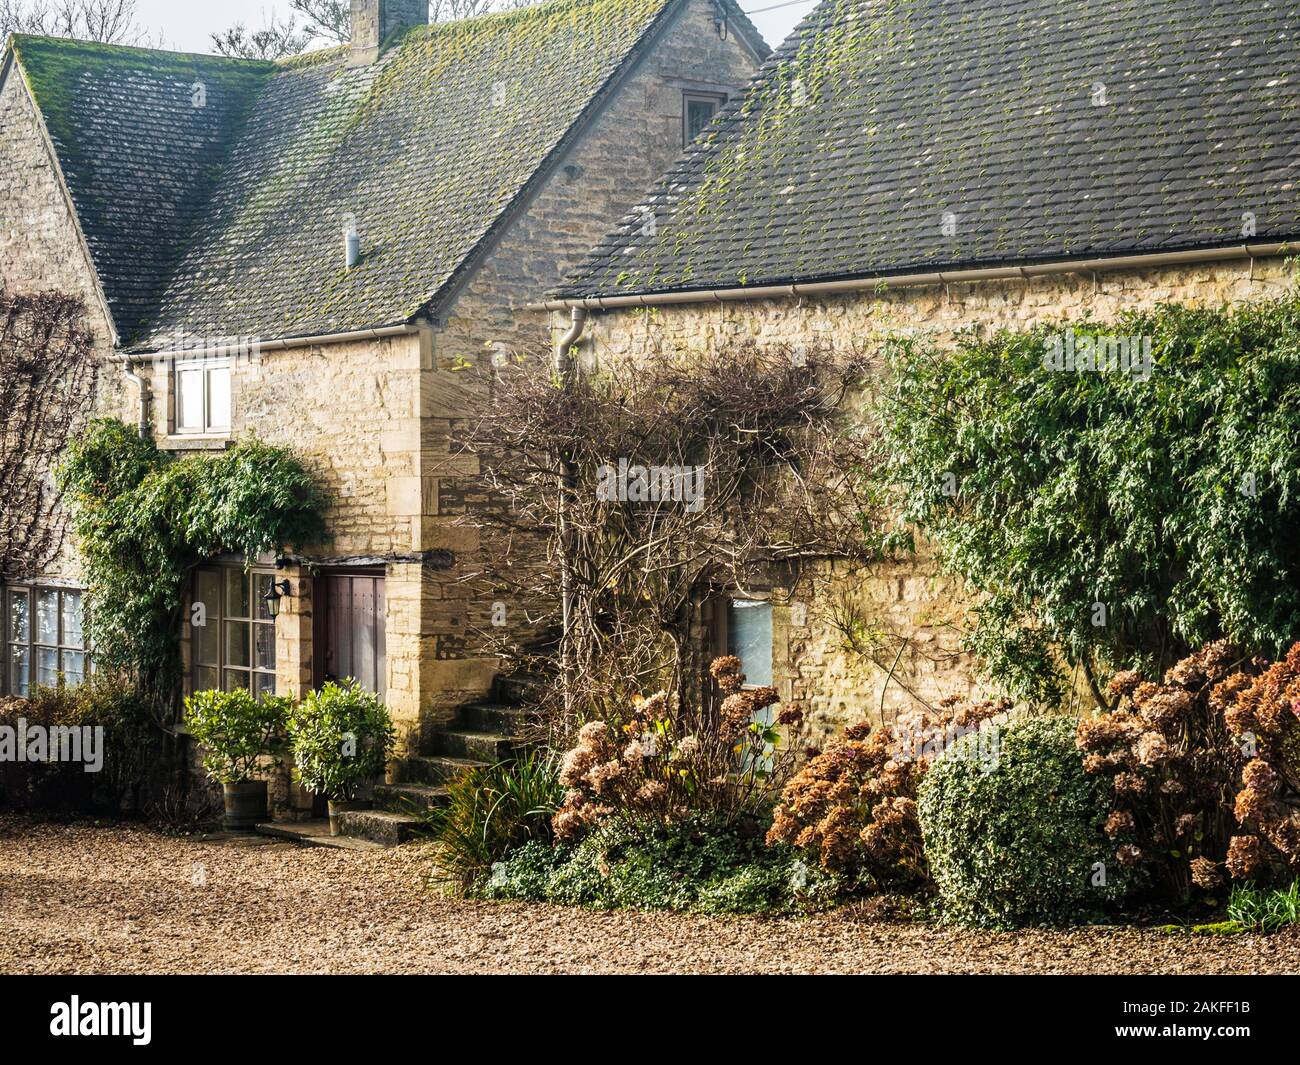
x=203, y=397
x=698, y=110
x=44, y=643
x=232, y=634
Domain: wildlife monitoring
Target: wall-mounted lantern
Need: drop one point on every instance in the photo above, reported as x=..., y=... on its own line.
x=279, y=590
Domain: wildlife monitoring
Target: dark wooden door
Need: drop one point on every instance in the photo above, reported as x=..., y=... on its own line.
x=353, y=631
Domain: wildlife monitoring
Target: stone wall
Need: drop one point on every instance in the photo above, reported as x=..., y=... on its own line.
x=377, y=421
x=41, y=248
x=630, y=145
x=920, y=608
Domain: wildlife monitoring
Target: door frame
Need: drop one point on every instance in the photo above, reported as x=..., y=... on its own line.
x=321, y=613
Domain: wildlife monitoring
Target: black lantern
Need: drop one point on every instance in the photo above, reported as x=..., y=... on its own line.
x=279, y=590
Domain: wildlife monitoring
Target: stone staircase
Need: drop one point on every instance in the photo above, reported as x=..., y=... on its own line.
x=481, y=734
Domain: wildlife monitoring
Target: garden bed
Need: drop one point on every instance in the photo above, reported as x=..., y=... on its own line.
x=86, y=898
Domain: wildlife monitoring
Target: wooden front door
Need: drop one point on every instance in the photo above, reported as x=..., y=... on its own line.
x=352, y=631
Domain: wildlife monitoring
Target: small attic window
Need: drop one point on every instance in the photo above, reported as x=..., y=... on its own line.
x=698, y=110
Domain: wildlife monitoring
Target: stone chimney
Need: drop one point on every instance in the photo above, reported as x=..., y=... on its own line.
x=374, y=21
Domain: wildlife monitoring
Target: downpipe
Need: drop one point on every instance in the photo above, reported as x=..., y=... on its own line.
x=568, y=482
x=145, y=424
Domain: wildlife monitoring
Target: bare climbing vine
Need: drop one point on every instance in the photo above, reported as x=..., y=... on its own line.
x=47, y=386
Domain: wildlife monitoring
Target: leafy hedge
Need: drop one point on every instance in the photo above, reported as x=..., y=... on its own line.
x=135, y=752
x=1013, y=840
x=1170, y=499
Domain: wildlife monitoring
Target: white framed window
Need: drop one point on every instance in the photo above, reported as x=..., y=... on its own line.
x=43, y=639
x=234, y=648
x=698, y=110
x=202, y=391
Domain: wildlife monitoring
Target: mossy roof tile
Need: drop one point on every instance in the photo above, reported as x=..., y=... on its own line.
x=227, y=221
x=141, y=138
x=1048, y=129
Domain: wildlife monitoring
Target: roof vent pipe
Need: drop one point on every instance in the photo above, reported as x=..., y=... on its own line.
x=351, y=241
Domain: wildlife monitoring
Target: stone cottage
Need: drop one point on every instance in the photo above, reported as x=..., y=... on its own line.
x=306, y=250
x=930, y=166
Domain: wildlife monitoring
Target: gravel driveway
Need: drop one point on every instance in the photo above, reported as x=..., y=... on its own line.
x=122, y=899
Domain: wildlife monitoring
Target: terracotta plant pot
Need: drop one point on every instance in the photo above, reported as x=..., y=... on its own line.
x=339, y=806
x=245, y=805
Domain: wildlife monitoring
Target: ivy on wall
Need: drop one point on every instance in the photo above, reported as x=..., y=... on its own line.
x=145, y=519
x=1115, y=494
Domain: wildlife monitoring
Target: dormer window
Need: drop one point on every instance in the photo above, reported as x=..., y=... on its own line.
x=698, y=110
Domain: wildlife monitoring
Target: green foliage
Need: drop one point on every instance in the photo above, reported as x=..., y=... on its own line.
x=698, y=866
x=1218, y=928
x=1012, y=839
x=341, y=737
x=1260, y=910
x=133, y=747
x=236, y=731
x=492, y=811
x=1172, y=500
x=145, y=519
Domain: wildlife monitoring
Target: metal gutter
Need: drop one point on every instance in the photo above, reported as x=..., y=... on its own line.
x=242, y=347
x=943, y=277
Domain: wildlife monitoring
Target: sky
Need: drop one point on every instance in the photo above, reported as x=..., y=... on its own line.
x=186, y=25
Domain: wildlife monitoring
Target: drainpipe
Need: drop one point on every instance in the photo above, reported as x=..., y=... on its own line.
x=568, y=482
x=563, y=361
x=142, y=387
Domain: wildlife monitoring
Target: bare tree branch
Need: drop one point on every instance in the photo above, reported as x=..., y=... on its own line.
x=106, y=21
x=47, y=384
x=691, y=478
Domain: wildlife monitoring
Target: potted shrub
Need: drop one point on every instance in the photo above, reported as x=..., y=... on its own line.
x=236, y=731
x=341, y=737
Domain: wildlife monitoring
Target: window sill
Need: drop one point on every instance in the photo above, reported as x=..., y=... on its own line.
x=195, y=442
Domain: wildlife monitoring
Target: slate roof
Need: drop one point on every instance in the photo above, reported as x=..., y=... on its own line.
x=139, y=158
x=228, y=221
x=1044, y=130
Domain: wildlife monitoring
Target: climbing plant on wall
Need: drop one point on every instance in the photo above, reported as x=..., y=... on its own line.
x=47, y=384
x=1114, y=494
x=144, y=519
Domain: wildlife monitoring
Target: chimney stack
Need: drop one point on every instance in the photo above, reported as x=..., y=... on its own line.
x=374, y=21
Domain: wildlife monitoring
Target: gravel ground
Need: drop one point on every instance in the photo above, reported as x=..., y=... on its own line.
x=92, y=899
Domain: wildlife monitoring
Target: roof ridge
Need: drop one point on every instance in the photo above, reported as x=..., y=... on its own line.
x=17, y=39
x=580, y=122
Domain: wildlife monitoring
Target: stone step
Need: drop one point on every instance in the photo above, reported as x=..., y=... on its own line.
x=484, y=746
x=315, y=834
x=495, y=717
x=380, y=826
x=410, y=798
x=518, y=690
x=433, y=769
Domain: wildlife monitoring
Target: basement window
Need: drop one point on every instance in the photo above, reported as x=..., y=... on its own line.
x=698, y=111
x=202, y=392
